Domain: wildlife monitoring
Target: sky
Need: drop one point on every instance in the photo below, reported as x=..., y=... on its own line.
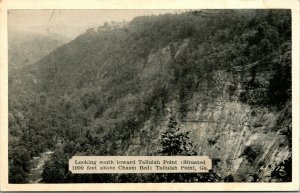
x=70, y=23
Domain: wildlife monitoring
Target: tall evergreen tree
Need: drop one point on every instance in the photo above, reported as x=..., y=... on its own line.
x=175, y=142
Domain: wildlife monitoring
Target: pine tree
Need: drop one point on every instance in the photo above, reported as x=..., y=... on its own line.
x=176, y=143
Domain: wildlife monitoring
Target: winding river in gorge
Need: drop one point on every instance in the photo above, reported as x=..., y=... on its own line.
x=35, y=175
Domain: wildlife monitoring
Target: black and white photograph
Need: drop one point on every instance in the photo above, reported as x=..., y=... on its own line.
x=150, y=82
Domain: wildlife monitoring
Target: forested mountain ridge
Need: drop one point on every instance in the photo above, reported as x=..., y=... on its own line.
x=224, y=75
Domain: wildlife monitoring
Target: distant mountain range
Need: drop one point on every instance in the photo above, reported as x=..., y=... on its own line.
x=27, y=47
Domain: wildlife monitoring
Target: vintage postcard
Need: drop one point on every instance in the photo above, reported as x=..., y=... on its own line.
x=151, y=95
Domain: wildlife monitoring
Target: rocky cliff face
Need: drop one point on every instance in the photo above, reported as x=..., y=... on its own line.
x=238, y=137
x=244, y=141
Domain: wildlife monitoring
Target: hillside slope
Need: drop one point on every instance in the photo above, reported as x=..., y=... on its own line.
x=224, y=75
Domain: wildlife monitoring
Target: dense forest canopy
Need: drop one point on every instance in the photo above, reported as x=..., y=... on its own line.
x=92, y=95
